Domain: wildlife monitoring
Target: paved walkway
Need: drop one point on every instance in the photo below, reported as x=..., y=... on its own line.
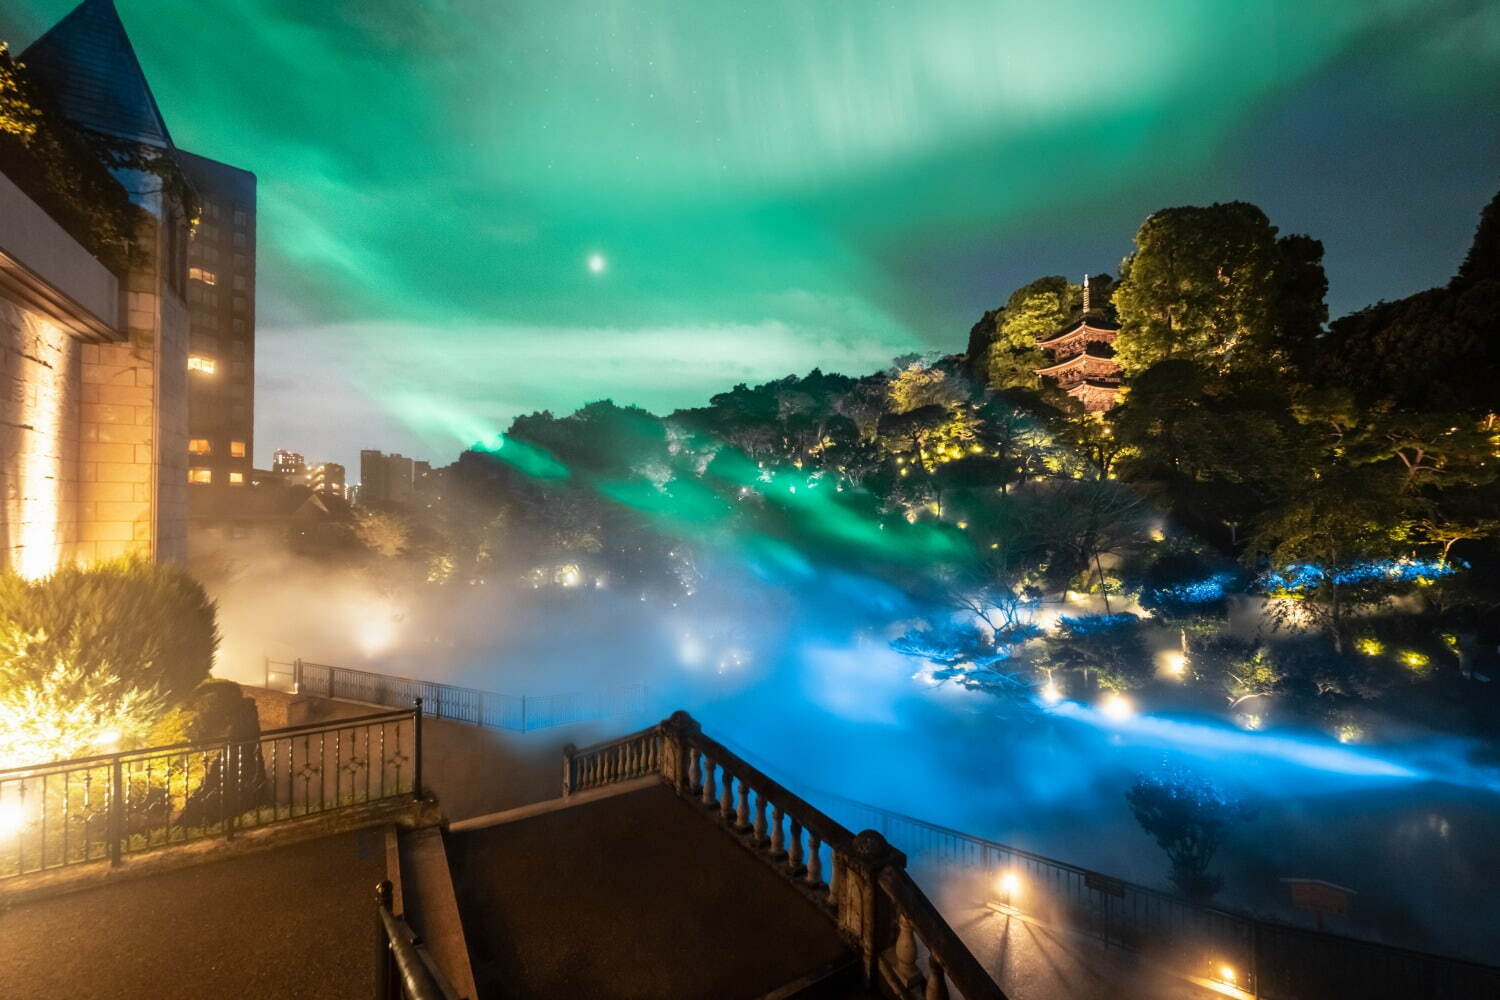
x=287, y=923
x=1032, y=961
x=630, y=896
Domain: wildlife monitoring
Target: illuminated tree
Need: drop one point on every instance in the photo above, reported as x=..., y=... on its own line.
x=1214, y=285
x=1032, y=313
x=383, y=532
x=91, y=658
x=1189, y=818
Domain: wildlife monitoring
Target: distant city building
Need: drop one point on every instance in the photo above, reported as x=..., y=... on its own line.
x=221, y=301
x=387, y=478
x=288, y=463
x=328, y=478
x=1083, y=359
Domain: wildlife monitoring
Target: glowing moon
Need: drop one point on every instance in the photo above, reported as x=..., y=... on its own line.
x=597, y=263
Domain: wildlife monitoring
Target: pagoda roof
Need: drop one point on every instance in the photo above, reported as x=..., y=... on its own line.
x=1078, y=360
x=1082, y=326
x=87, y=65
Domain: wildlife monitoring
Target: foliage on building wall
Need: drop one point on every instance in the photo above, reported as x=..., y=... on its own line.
x=64, y=170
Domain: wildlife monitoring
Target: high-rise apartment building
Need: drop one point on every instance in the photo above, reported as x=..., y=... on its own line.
x=221, y=348
x=386, y=478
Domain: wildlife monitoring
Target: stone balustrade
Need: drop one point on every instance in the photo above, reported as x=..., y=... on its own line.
x=905, y=948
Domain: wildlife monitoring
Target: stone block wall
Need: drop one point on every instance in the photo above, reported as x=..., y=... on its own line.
x=39, y=408
x=93, y=436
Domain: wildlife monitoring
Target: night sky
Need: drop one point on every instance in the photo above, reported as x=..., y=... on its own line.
x=475, y=208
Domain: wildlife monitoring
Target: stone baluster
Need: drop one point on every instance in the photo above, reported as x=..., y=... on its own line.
x=570, y=769
x=906, y=954
x=937, y=982
x=814, y=860
x=760, y=820
x=835, y=878
x=611, y=764
x=726, y=800
x=795, y=859
x=710, y=797
x=778, y=847
x=694, y=775
x=742, y=811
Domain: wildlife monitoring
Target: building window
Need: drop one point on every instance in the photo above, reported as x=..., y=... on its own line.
x=200, y=446
x=200, y=475
x=241, y=283
x=198, y=363
x=240, y=303
x=236, y=478
x=236, y=449
x=239, y=325
x=204, y=275
x=240, y=217
x=239, y=240
x=237, y=348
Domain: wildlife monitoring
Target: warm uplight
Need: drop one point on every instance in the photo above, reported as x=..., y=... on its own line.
x=11, y=817
x=1051, y=693
x=1175, y=663
x=1117, y=706
x=1414, y=659
x=1227, y=974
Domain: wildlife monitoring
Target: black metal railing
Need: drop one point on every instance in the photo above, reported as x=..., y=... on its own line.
x=404, y=969
x=517, y=713
x=1267, y=959
x=105, y=807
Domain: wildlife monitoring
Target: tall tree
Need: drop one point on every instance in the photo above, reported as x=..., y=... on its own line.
x=1215, y=286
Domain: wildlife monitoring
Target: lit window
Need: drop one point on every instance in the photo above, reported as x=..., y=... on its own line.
x=236, y=478
x=198, y=363
x=236, y=449
x=204, y=275
x=200, y=475
x=199, y=446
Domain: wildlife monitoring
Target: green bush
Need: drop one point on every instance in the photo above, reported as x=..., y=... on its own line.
x=151, y=626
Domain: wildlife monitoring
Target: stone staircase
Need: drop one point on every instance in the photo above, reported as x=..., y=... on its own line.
x=671, y=868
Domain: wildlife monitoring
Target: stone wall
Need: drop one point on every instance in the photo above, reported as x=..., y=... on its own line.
x=39, y=404
x=93, y=435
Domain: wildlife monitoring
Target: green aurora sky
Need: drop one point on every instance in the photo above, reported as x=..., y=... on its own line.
x=774, y=185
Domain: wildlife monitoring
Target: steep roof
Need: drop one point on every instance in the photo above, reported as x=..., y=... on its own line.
x=1081, y=327
x=1081, y=360
x=88, y=66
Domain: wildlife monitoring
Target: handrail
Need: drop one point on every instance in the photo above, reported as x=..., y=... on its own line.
x=953, y=956
x=403, y=969
x=109, y=806
x=189, y=746
x=879, y=910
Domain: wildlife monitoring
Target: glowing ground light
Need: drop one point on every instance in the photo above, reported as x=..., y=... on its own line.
x=1226, y=974
x=1008, y=890
x=1051, y=693
x=1175, y=663
x=11, y=817
x=597, y=263
x=1117, y=707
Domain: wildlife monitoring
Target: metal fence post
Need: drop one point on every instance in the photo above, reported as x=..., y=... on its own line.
x=382, y=944
x=116, y=813
x=416, y=781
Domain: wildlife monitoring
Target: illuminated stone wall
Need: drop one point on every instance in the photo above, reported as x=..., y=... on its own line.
x=39, y=397
x=93, y=436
